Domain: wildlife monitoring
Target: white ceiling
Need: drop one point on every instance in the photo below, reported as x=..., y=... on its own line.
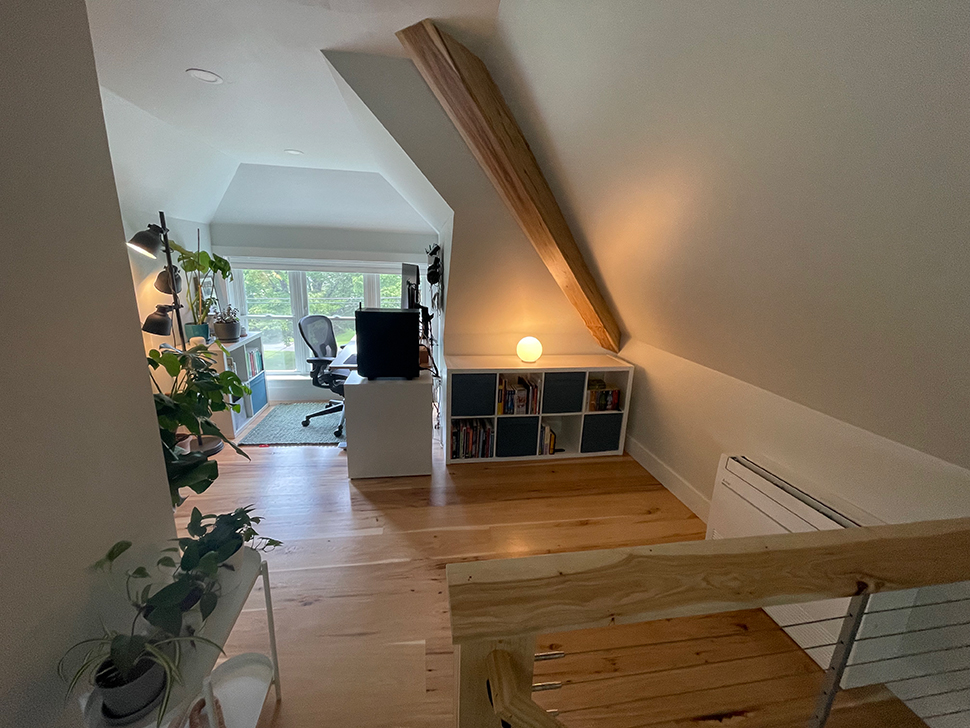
x=278, y=92
x=297, y=196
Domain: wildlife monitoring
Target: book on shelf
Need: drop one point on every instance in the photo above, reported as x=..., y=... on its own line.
x=601, y=397
x=518, y=397
x=547, y=440
x=471, y=439
x=255, y=362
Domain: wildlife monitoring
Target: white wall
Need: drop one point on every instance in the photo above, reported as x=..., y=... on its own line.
x=271, y=241
x=498, y=288
x=776, y=192
x=161, y=167
x=82, y=466
x=686, y=415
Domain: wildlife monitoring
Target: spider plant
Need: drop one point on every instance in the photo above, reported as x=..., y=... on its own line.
x=116, y=659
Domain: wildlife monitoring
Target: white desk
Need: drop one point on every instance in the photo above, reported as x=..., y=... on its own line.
x=388, y=426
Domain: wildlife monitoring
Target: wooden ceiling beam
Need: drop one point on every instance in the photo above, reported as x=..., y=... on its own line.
x=466, y=91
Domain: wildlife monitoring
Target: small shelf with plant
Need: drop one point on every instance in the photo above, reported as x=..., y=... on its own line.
x=138, y=667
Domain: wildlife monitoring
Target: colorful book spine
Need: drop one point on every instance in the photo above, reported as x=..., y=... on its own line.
x=471, y=439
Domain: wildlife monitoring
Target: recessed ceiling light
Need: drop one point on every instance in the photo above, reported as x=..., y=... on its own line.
x=205, y=76
x=293, y=151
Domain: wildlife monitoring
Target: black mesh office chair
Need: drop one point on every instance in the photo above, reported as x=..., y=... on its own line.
x=317, y=332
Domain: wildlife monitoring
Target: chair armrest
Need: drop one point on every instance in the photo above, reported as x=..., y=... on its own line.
x=320, y=359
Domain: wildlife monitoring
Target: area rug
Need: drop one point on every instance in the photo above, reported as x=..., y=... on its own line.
x=282, y=425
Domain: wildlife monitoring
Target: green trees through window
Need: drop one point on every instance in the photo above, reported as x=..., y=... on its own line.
x=277, y=299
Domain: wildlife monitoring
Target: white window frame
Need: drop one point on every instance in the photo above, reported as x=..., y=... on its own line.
x=299, y=305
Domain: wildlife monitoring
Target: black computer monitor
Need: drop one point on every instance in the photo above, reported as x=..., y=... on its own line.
x=410, y=286
x=387, y=343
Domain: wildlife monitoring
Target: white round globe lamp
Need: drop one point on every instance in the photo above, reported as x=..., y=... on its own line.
x=529, y=349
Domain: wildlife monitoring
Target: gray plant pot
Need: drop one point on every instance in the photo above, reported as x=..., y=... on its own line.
x=130, y=699
x=227, y=332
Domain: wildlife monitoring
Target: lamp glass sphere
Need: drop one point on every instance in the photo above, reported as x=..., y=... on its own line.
x=529, y=349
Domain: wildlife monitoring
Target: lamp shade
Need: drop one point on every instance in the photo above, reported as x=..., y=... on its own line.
x=158, y=322
x=529, y=349
x=163, y=281
x=147, y=242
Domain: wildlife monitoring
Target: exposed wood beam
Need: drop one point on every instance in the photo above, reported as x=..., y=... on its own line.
x=473, y=102
x=537, y=594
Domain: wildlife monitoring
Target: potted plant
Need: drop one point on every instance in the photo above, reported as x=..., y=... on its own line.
x=226, y=324
x=201, y=268
x=134, y=669
x=222, y=537
x=197, y=391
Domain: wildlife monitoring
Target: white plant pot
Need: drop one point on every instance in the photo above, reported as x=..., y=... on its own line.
x=229, y=577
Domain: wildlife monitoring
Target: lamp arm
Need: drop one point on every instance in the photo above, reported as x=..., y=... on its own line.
x=175, y=295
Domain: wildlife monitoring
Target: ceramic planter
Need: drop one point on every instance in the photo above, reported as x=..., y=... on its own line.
x=227, y=331
x=128, y=699
x=193, y=330
x=229, y=570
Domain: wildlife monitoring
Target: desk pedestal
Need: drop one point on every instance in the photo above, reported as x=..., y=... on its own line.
x=389, y=428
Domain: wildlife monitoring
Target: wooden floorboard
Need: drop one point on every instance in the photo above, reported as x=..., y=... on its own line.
x=362, y=612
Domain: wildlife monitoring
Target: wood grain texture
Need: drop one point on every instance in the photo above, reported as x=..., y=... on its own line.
x=509, y=700
x=361, y=600
x=466, y=91
x=596, y=588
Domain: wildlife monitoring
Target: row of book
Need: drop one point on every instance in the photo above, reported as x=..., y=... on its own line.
x=255, y=362
x=601, y=397
x=471, y=439
x=518, y=397
x=547, y=440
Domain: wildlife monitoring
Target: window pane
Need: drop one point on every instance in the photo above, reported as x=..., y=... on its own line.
x=336, y=295
x=390, y=290
x=268, y=295
x=267, y=291
x=278, y=342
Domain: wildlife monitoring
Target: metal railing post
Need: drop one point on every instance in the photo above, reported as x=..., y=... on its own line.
x=840, y=658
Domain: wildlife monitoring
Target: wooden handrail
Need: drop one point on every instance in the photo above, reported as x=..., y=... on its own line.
x=492, y=600
x=509, y=701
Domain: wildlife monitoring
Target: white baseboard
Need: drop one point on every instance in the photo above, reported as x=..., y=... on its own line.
x=685, y=492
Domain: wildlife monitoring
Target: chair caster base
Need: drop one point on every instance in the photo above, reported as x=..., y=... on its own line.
x=306, y=423
x=339, y=432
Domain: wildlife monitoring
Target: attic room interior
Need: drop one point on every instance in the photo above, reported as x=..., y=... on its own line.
x=514, y=363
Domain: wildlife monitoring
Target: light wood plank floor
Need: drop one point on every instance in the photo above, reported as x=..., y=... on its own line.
x=362, y=612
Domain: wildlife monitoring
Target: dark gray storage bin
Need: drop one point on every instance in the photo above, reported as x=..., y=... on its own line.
x=517, y=436
x=563, y=392
x=473, y=395
x=601, y=432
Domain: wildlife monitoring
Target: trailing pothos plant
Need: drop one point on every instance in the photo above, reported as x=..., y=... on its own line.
x=222, y=535
x=197, y=391
x=155, y=636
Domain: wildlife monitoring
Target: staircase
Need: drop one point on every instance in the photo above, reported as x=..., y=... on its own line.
x=672, y=636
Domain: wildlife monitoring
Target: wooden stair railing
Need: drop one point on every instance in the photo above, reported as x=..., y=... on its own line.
x=499, y=607
x=509, y=701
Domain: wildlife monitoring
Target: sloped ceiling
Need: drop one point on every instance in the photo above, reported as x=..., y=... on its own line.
x=158, y=166
x=301, y=197
x=777, y=191
x=278, y=92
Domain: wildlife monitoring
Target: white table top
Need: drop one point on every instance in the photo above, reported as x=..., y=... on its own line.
x=546, y=363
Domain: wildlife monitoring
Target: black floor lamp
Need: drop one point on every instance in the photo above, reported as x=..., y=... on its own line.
x=149, y=242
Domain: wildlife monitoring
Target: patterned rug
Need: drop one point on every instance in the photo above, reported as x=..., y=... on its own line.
x=282, y=425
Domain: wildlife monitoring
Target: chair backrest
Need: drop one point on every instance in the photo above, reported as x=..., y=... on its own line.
x=317, y=332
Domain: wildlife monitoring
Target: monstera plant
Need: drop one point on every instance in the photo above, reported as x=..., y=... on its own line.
x=196, y=392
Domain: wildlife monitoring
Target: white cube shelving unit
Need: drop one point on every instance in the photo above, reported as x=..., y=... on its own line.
x=241, y=361
x=472, y=393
